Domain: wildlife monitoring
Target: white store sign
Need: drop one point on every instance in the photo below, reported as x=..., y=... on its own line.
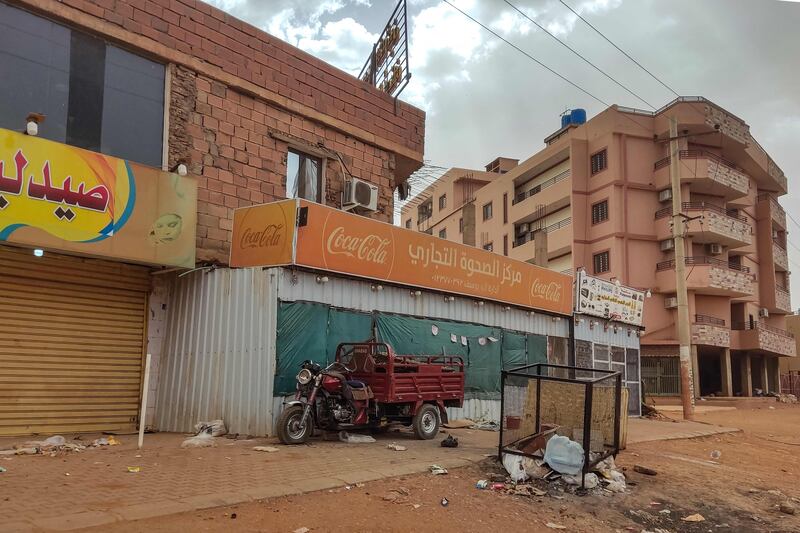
x=604, y=299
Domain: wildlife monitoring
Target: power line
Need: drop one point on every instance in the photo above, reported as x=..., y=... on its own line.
x=620, y=49
x=520, y=50
x=568, y=47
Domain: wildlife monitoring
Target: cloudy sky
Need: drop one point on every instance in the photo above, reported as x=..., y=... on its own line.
x=485, y=99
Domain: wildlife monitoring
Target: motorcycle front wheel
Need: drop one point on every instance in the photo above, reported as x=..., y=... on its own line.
x=289, y=430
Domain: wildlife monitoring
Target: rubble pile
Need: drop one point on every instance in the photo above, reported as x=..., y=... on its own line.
x=56, y=445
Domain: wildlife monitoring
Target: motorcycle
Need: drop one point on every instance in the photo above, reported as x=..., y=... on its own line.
x=326, y=399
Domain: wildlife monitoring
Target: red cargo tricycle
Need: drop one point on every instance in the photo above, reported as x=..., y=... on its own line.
x=368, y=386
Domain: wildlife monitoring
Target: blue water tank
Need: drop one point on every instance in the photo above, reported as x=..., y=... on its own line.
x=565, y=120
x=577, y=116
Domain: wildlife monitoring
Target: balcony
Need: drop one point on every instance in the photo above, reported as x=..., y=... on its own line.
x=711, y=224
x=764, y=338
x=768, y=207
x=706, y=173
x=710, y=331
x=779, y=256
x=525, y=204
x=707, y=275
x=783, y=301
x=559, y=235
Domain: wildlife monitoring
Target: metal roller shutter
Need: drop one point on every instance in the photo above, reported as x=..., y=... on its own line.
x=72, y=335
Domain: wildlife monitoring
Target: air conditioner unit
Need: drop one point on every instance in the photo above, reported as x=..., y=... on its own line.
x=715, y=249
x=671, y=302
x=667, y=245
x=665, y=195
x=763, y=312
x=359, y=193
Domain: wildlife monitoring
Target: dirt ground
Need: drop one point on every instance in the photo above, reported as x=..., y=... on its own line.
x=739, y=492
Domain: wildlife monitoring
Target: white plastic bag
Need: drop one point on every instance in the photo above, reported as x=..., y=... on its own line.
x=589, y=482
x=352, y=438
x=517, y=466
x=215, y=428
x=565, y=456
x=203, y=440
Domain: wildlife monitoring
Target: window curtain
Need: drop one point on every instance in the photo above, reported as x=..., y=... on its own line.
x=306, y=182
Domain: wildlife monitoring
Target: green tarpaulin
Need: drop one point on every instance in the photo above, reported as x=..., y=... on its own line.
x=302, y=334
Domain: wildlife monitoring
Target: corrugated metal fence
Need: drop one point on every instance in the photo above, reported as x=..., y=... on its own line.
x=218, y=360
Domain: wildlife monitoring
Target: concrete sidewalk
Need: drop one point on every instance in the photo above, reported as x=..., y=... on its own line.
x=94, y=487
x=646, y=430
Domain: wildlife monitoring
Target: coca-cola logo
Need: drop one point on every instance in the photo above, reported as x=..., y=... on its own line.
x=549, y=291
x=371, y=248
x=266, y=237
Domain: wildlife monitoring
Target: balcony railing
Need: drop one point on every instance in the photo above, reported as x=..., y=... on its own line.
x=697, y=154
x=779, y=244
x=539, y=188
x=519, y=240
x=710, y=320
x=703, y=260
x=746, y=326
x=695, y=206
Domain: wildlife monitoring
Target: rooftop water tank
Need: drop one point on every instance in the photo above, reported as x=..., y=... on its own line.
x=566, y=118
x=576, y=116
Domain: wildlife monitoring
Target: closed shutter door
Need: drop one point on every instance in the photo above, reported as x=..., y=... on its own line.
x=72, y=333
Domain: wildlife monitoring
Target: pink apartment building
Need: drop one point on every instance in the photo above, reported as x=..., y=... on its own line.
x=598, y=197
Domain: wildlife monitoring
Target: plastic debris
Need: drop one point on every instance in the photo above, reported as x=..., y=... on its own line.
x=445, y=502
x=203, y=440
x=133, y=469
x=553, y=525
x=301, y=530
x=697, y=517
x=450, y=442
x=482, y=484
x=215, y=428
x=526, y=490
x=437, y=470
x=3, y=469
x=268, y=449
x=352, y=438
x=517, y=466
x=716, y=454
x=396, y=447
x=398, y=495
x=564, y=455
x=590, y=480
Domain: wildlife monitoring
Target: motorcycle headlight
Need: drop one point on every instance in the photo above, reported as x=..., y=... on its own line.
x=304, y=377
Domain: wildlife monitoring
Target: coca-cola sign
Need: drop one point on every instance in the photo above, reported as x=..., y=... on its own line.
x=269, y=235
x=370, y=248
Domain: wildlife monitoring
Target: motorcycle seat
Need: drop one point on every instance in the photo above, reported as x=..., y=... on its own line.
x=356, y=384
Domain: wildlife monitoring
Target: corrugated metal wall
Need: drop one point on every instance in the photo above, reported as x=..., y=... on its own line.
x=219, y=354
x=296, y=285
x=600, y=335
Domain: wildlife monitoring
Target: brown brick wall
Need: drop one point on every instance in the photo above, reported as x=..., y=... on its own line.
x=204, y=32
x=225, y=137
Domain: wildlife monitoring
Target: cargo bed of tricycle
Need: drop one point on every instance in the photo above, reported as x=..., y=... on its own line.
x=396, y=378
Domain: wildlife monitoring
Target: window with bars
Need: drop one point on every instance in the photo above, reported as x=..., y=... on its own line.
x=443, y=233
x=487, y=211
x=599, y=161
x=600, y=212
x=442, y=201
x=601, y=262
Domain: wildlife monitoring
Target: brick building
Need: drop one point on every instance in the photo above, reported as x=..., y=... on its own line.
x=156, y=84
x=598, y=197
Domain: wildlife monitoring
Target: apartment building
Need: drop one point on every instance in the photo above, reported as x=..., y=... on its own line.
x=598, y=197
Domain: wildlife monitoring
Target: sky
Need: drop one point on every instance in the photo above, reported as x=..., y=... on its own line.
x=484, y=99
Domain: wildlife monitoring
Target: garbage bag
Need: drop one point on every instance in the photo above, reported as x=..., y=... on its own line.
x=590, y=481
x=564, y=455
x=203, y=440
x=215, y=428
x=517, y=466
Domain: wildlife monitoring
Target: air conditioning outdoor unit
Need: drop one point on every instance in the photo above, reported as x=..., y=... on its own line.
x=671, y=302
x=359, y=193
x=665, y=195
x=715, y=249
x=763, y=312
x=667, y=245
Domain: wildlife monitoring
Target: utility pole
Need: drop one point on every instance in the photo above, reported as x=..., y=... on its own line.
x=684, y=337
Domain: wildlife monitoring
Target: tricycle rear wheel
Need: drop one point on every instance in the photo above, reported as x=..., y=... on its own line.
x=426, y=422
x=289, y=430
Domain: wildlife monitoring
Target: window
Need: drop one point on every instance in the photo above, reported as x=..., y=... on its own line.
x=600, y=212
x=505, y=208
x=408, y=224
x=443, y=233
x=460, y=225
x=424, y=211
x=303, y=176
x=505, y=244
x=489, y=247
x=442, y=201
x=599, y=161
x=95, y=95
x=601, y=262
x=487, y=211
